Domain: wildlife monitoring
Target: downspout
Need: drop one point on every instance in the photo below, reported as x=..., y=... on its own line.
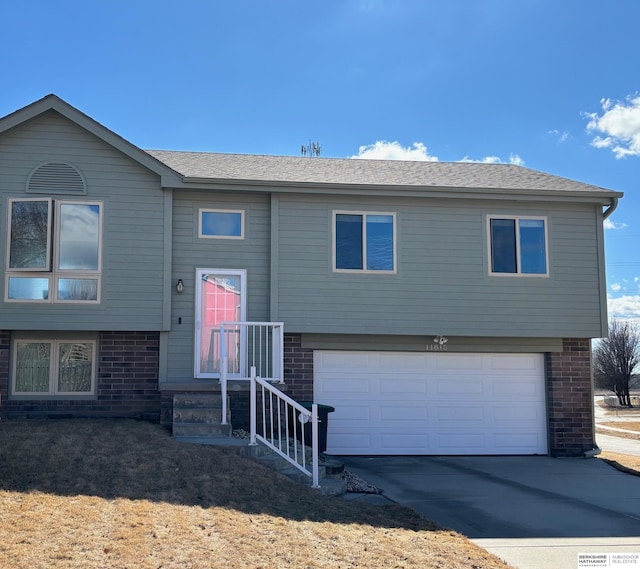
x=607, y=212
x=596, y=450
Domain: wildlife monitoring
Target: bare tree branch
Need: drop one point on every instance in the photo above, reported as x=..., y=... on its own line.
x=616, y=358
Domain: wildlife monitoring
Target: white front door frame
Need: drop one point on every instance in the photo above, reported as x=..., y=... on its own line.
x=207, y=319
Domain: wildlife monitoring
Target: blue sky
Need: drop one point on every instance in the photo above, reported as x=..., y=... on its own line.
x=552, y=85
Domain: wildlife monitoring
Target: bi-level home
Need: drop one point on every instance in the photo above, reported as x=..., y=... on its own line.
x=441, y=308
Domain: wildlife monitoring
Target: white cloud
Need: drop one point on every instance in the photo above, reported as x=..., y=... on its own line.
x=561, y=135
x=615, y=287
x=608, y=224
x=384, y=150
x=618, y=127
x=625, y=308
x=513, y=159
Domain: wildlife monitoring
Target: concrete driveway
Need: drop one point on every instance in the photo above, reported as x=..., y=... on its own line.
x=531, y=511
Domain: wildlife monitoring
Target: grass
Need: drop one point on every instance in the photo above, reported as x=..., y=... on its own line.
x=124, y=494
x=624, y=462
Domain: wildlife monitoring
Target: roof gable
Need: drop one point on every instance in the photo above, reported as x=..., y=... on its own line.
x=54, y=103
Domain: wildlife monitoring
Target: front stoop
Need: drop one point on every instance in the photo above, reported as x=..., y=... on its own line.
x=199, y=415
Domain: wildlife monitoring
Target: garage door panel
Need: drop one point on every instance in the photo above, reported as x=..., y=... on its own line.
x=465, y=414
x=352, y=385
x=432, y=403
x=351, y=443
x=522, y=391
x=342, y=360
x=410, y=361
x=469, y=362
x=465, y=388
x=405, y=386
x=403, y=413
x=460, y=443
x=402, y=443
x=519, y=363
x=522, y=414
x=515, y=441
x=351, y=413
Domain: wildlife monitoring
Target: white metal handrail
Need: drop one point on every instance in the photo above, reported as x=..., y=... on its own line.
x=283, y=431
x=252, y=344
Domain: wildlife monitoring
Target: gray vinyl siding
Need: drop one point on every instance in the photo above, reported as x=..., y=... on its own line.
x=191, y=253
x=442, y=285
x=133, y=238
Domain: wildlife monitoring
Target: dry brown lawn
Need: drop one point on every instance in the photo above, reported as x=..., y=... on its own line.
x=624, y=462
x=124, y=494
x=627, y=425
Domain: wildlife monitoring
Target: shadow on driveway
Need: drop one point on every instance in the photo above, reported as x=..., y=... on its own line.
x=510, y=496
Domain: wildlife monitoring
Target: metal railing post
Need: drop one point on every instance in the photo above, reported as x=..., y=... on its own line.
x=224, y=364
x=280, y=354
x=314, y=445
x=253, y=408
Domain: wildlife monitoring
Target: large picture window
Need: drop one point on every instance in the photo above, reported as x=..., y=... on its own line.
x=518, y=246
x=364, y=242
x=54, y=367
x=54, y=251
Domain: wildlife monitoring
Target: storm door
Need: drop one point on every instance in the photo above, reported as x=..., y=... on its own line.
x=220, y=297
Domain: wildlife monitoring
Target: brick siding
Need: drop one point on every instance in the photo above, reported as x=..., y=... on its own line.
x=127, y=381
x=570, y=399
x=298, y=368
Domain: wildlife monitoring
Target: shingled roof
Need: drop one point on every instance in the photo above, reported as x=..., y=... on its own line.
x=203, y=166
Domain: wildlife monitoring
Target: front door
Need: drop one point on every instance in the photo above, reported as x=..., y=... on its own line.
x=220, y=297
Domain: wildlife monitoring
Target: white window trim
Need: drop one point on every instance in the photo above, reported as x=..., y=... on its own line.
x=53, y=370
x=519, y=273
x=209, y=210
x=364, y=214
x=52, y=273
x=47, y=268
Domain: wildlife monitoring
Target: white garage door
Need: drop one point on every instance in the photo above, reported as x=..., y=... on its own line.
x=425, y=403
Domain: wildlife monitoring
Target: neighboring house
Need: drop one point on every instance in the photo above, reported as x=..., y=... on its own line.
x=441, y=308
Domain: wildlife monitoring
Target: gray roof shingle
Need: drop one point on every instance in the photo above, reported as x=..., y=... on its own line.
x=344, y=171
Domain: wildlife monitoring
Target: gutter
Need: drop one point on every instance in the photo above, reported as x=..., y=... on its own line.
x=607, y=212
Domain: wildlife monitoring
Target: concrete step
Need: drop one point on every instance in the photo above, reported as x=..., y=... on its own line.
x=205, y=430
x=197, y=400
x=197, y=415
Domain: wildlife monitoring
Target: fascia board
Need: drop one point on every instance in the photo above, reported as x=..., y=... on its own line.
x=603, y=197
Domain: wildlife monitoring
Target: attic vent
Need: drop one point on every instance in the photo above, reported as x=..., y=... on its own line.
x=56, y=178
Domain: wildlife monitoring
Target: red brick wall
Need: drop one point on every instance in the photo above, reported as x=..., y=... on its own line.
x=5, y=342
x=570, y=399
x=127, y=381
x=298, y=368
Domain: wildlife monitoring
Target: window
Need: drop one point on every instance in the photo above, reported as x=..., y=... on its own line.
x=364, y=242
x=54, y=251
x=518, y=246
x=58, y=367
x=221, y=224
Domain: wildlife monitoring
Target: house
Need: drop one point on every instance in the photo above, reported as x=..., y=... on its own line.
x=441, y=308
